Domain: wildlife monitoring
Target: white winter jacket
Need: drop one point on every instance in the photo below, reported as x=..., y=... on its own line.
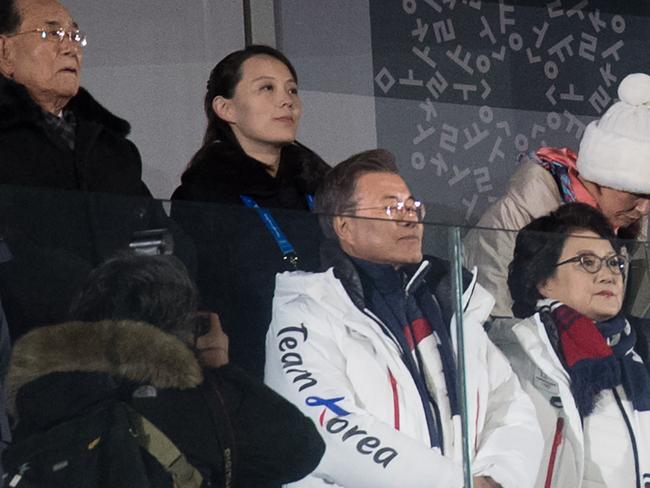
x=602, y=454
x=532, y=193
x=333, y=361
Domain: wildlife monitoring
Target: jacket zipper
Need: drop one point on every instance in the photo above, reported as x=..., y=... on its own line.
x=635, y=448
x=436, y=411
x=478, y=409
x=557, y=440
x=393, y=385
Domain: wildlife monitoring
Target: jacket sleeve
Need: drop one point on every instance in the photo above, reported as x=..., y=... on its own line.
x=510, y=445
x=532, y=192
x=306, y=366
x=5, y=353
x=275, y=442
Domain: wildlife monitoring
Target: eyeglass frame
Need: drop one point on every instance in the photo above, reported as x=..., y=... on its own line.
x=60, y=32
x=617, y=270
x=418, y=210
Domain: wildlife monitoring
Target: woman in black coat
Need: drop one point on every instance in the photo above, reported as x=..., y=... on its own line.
x=251, y=165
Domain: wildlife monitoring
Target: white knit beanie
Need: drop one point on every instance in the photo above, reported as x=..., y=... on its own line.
x=615, y=150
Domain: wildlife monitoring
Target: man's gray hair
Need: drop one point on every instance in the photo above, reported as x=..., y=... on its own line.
x=335, y=194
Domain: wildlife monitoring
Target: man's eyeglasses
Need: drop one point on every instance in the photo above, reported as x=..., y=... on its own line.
x=399, y=210
x=57, y=35
x=593, y=264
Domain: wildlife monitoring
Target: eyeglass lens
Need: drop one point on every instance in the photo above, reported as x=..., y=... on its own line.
x=60, y=34
x=412, y=209
x=593, y=263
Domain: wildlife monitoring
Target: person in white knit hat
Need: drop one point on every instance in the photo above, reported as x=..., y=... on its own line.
x=611, y=172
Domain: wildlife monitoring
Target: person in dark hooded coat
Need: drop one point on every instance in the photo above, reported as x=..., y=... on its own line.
x=134, y=337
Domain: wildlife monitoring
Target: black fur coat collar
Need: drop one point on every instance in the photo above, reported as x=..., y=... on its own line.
x=17, y=108
x=227, y=170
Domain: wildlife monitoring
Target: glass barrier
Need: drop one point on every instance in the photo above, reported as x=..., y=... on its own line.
x=371, y=355
x=491, y=251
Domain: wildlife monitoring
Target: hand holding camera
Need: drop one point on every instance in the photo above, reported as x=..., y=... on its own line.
x=211, y=341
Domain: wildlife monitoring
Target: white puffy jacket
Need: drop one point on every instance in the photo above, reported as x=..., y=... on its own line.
x=602, y=454
x=333, y=361
x=532, y=193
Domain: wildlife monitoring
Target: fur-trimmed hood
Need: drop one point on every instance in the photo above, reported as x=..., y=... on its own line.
x=134, y=351
x=233, y=172
x=17, y=107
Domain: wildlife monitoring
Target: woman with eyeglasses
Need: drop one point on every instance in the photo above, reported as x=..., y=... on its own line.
x=250, y=164
x=583, y=363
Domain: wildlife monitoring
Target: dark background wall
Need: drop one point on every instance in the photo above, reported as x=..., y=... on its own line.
x=463, y=86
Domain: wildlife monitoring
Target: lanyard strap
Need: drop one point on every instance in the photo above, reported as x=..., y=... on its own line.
x=286, y=248
x=310, y=202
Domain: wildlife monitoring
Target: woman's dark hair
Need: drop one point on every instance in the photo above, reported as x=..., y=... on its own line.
x=334, y=194
x=538, y=248
x=153, y=289
x=223, y=80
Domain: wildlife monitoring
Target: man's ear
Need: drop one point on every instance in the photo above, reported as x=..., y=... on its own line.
x=223, y=108
x=6, y=58
x=341, y=226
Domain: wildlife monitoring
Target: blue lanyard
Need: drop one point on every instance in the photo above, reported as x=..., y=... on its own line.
x=286, y=248
x=310, y=202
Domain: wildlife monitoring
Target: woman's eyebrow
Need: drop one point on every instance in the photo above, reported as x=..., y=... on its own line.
x=264, y=77
x=591, y=251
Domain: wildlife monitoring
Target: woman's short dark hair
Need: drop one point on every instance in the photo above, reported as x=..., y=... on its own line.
x=9, y=17
x=538, y=248
x=335, y=193
x=223, y=80
x=153, y=289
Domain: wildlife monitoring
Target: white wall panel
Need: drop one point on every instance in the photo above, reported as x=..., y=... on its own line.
x=148, y=62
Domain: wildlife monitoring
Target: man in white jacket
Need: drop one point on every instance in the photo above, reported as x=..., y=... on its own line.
x=366, y=349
